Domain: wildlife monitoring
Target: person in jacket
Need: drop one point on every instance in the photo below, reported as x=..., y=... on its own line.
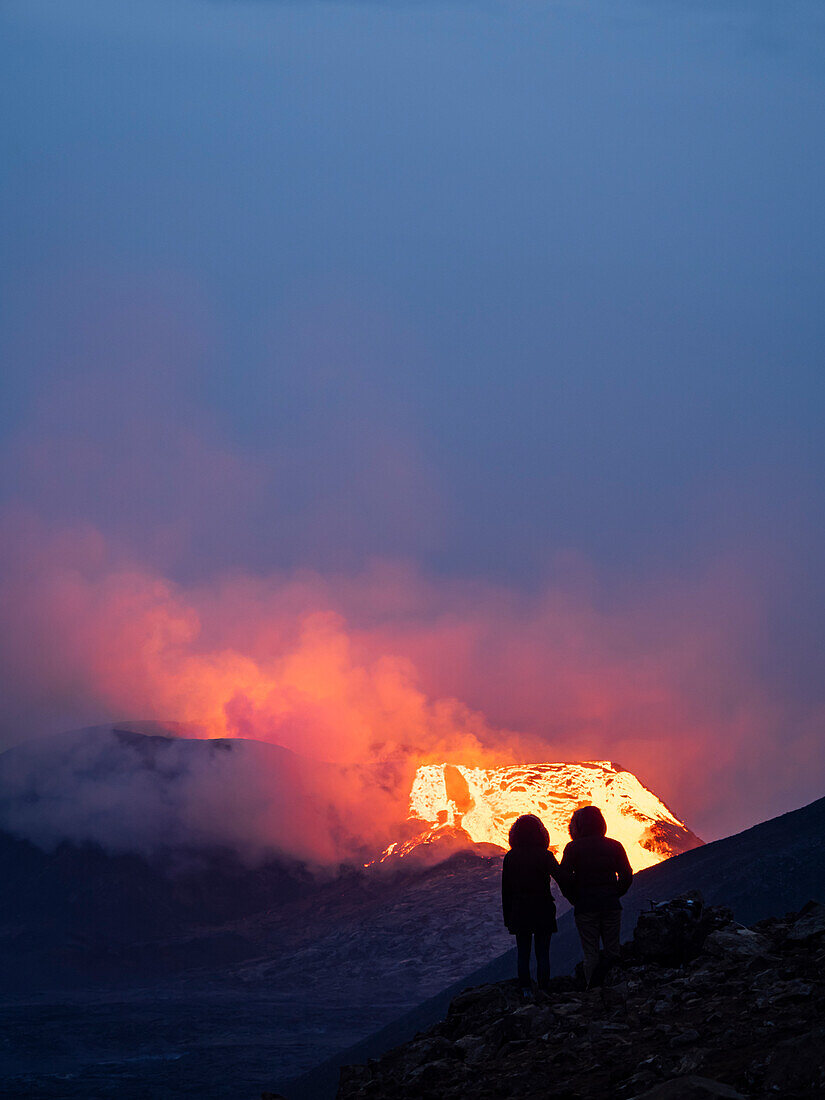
x=526, y=897
x=597, y=873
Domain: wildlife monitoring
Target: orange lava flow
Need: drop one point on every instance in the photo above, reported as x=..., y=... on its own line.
x=485, y=802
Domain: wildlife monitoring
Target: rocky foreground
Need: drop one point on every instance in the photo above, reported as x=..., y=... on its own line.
x=699, y=1007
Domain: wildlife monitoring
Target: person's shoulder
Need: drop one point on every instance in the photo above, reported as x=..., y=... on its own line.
x=616, y=845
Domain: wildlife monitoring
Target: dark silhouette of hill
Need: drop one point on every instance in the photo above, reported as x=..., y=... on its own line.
x=79, y=915
x=772, y=868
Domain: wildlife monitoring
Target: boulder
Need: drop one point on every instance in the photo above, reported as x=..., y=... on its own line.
x=685, y=1038
x=505, y=1029
x=673, y=932
x=473, y=1047
x=479, y=999
x=783, y=993
x=431, y=1049
x=810, y=923
x=430, y=1073
x=796, y=1065
x=737, y=943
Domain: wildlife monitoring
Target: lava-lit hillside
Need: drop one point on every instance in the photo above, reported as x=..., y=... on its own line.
x=482, y=803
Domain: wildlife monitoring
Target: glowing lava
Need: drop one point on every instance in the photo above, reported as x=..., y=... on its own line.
x=481, y=804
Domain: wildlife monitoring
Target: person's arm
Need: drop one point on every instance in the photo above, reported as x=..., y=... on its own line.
x=567, y=870
x=624, y=872
x=557, y=873
x=506, y=889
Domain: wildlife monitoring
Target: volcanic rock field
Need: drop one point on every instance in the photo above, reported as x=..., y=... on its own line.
x=700, y=1006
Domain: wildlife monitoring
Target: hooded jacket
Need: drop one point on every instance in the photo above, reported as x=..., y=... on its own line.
x=526, y=897
x=596, y=873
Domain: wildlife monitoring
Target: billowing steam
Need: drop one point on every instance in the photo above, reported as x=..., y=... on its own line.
x=123, y=510
x=363, y=677
x=141, y=788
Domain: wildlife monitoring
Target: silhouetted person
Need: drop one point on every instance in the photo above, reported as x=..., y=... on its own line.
x=596, y=873
x=526, y=897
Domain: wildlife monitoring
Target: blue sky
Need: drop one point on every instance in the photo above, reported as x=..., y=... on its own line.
x=569, y=253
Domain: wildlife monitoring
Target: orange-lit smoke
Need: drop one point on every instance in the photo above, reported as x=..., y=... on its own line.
x=385, y=671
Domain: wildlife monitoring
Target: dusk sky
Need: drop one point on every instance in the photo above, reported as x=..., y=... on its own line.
x=421, y=377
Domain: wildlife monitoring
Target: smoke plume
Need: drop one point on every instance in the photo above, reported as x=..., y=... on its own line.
x=362, y=677
x=288, y=591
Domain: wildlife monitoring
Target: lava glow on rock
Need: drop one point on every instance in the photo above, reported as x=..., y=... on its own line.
x=481, y=804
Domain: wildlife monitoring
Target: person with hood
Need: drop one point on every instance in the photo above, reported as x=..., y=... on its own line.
x=597, y=873
x=526, y=897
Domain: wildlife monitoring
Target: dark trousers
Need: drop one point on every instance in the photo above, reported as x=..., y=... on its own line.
x=523, y=943
x=593, y=927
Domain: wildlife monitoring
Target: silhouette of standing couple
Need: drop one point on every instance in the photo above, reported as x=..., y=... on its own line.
x=593, y=875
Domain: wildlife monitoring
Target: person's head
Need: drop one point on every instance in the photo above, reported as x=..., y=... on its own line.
x=528, y=831
x=587, y=821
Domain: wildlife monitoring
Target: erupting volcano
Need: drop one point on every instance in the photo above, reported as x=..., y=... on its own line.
x=478, y=805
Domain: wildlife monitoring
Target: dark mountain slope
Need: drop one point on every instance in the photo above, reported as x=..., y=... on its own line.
x=770, y=869
x=78, y=915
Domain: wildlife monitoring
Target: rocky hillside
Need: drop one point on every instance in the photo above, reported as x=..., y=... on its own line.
x=700, y=1006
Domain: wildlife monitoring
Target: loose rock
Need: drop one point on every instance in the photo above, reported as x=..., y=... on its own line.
x=739, y=1016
